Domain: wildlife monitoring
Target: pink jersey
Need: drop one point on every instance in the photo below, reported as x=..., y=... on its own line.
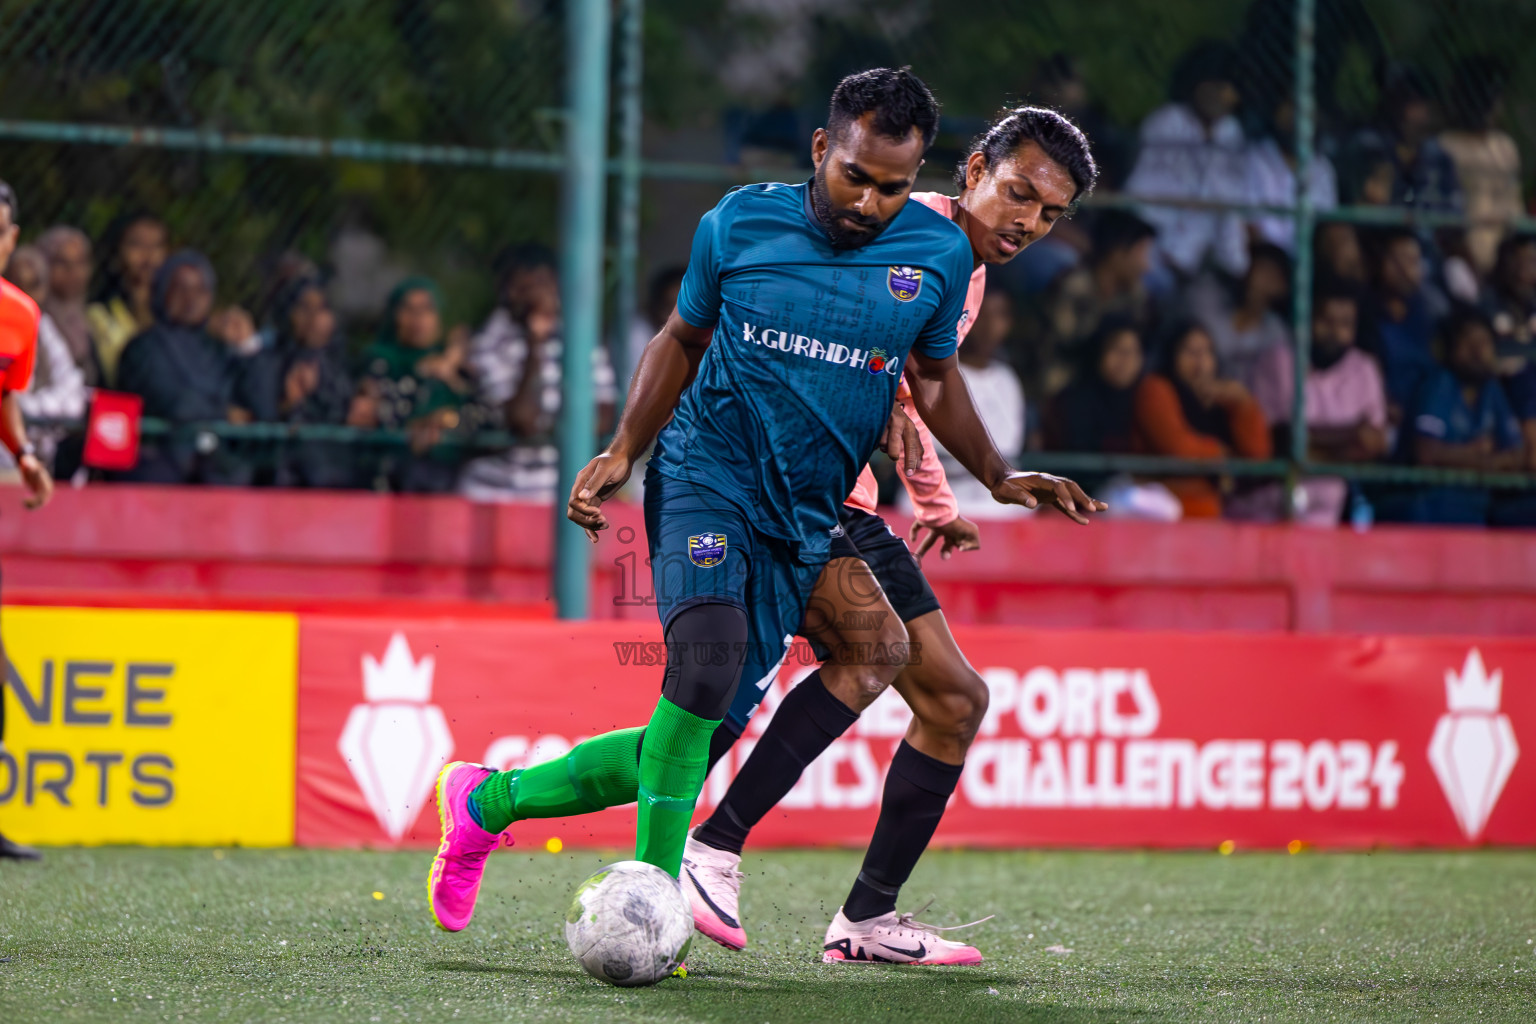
x=931, y=497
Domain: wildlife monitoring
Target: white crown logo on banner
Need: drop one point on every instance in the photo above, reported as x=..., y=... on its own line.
x=1473, y=749
x=396, y=743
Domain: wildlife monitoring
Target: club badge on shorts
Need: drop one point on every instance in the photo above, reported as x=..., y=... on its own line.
x=904, y=282
x=706, y=550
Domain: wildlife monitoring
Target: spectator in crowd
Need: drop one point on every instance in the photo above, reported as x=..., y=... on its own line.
x=999, y=396
x=133, y=248
x=1399, y=316
x=1110, y=285
x=186, y=375
x=69, y=282
x=1460, y=419
x=283, y=270
x=57, y=389
x=1511, y=304
x=1095, y=413
x=303, y=380
x=1271, y=162
x=412, y=379
x=1346, y=401
x=660, y=302
x=1244, y=328
x=1193, y=148
x=1399, y=161
x=237, y=329
x=516, y=364
x=1189, y=410
x=1487, y=160
x=1336, y=253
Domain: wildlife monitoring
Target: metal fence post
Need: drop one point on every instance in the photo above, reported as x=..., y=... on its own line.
x=1306, y=116
x=581, y=279
x=631, y=112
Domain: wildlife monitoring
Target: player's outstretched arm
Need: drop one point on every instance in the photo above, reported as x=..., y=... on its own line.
x=944, y=403
x=666, y=367
x=13, y=434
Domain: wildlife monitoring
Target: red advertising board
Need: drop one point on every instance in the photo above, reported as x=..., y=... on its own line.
x=1092, y=739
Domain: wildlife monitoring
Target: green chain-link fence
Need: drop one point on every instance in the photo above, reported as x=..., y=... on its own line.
x=428, y=133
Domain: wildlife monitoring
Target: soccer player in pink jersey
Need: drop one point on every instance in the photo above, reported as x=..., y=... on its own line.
x=1021, y=175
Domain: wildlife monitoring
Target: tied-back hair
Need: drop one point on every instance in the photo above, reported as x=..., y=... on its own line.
x=1060, y=139
x=900, y=101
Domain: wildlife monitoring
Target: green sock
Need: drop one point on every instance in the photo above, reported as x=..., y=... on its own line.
x=598, y=773
x=673, y=764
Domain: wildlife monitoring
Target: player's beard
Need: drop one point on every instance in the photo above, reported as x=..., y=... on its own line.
x=839, y=236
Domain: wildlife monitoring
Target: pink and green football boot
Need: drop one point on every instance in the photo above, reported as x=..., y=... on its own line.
x=454, y=881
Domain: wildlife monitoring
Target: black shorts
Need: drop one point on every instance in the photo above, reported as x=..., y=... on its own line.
x=867, y=538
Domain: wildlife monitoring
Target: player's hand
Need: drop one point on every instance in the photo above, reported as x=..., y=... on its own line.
x=37, y=480
x=598, y=481
x=1035, y=489
x=901, y=441
x=960, y=534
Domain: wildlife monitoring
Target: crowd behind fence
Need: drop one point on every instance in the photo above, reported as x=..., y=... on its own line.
x=1333, y=183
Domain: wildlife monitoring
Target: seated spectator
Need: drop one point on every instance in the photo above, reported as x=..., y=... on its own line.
x=69, y=282
x=1397, y=316
x=1511, y=303
x=1244, y=325
x=1398, y=161
x=660, y=302
x=1188, y=410
x=57, y=389
x=1095, y=412
x=412, y=380
x=1271, y=162
x=999, y=398
x=133, y=249
x=1336, y=253
x=1109, y=285
x=1193, y=148
x=516, y=362
x=303, y=380
x=280, y=272
x=185, y=375
x=1487, y=160
x=1346, y=401
x=1460, y=419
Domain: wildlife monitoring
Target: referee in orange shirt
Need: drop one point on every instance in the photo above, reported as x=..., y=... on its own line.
x=18, y=350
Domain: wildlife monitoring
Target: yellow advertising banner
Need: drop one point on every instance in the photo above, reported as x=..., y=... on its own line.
x=154, y=727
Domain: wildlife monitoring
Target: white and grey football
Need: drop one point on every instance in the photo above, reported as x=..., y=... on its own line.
x=629, y=924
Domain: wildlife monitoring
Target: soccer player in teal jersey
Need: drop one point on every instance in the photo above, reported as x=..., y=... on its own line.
x=769, y=386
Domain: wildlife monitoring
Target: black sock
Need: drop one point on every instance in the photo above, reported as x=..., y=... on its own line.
x=916, y=789
x=804, y=725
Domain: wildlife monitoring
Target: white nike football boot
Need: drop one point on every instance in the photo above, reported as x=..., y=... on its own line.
x=895, y=939
x=712, y=882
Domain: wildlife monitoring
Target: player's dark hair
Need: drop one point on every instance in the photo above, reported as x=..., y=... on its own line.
x=8, y=200
x=899, y=99
x=1060, y=139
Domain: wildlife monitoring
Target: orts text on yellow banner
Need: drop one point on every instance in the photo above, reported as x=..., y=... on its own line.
x=154, y=727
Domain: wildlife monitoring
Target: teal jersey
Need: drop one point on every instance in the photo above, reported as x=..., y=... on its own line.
x=808, y=350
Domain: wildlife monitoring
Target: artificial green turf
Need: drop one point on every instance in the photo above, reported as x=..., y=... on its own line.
x=129, y=934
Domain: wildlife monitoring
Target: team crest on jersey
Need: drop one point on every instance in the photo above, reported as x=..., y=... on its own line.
x=904, y=282
x=706, y=550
